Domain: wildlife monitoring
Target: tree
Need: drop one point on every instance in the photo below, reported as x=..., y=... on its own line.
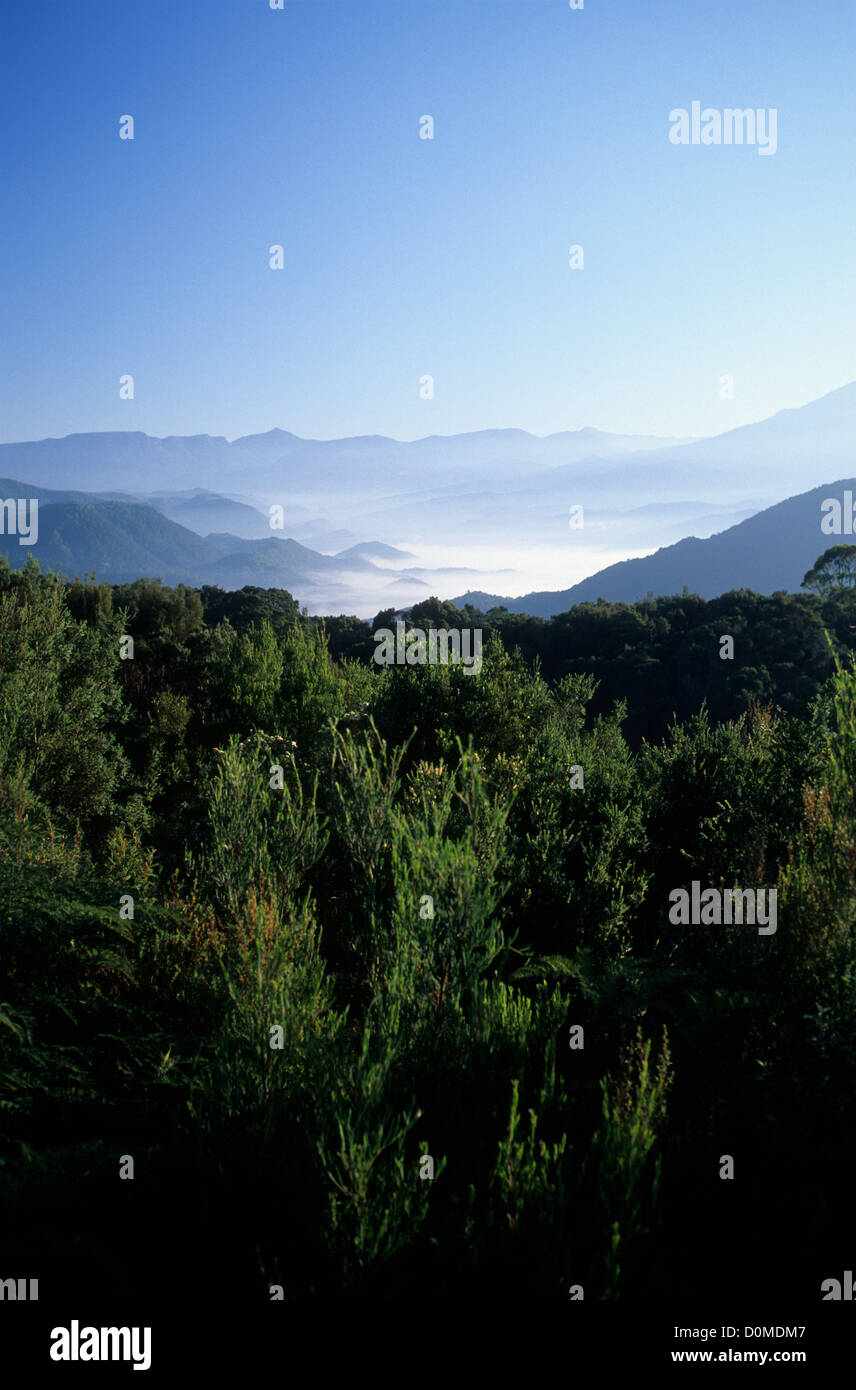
x=834, y=569
x=60, y=706
x=438, y=610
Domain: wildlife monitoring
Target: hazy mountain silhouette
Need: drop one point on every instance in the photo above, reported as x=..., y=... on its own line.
x=496, y=501
x=205, y=512
x=122, y=541
x=376, y=550
x=265, y=465
x=792, y=449
x=770, y=551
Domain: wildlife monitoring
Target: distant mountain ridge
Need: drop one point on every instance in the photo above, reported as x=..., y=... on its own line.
x=770, y=551
x=137, y=462
x=774, y=457
x=489, y=508
x=123, y=541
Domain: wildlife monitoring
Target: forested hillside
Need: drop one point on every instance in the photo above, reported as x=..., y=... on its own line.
x=280, y=925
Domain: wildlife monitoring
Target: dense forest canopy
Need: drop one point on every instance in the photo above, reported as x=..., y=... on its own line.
x=283, y=925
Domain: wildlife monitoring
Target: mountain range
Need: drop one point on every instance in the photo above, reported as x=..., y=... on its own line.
x=120, y=541
x=370, y=521
x=770, y=551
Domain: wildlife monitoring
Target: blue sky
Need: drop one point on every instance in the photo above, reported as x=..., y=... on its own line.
x=406, y=257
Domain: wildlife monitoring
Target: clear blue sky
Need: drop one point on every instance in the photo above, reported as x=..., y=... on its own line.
x=403, y=256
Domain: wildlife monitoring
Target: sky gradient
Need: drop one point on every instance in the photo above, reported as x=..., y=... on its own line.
x=406, y=257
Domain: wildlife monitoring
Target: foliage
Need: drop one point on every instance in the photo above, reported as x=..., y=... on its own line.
x=834, y=569
x=282, y=925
